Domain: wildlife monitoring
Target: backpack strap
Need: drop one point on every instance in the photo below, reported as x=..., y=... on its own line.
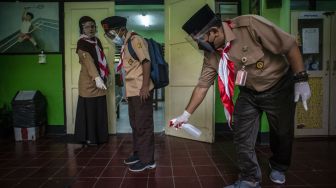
x=130, y=47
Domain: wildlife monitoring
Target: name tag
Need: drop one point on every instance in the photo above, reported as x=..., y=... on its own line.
x=241, y=77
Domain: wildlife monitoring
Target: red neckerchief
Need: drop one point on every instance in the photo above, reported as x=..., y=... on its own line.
x=102, y=63
x=226, y=81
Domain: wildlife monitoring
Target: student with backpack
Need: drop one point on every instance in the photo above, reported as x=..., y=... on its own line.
x=139, y=90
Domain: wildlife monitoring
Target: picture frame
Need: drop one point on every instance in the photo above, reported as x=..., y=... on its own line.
x=227, y=10
x=30, y=27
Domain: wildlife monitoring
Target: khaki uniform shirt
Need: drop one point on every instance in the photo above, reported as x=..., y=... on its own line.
x=133, y=67
x=263, y=47
x=88, y=73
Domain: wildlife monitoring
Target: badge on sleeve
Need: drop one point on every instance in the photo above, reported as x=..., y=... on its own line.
x=139, y=45
x=130, y=62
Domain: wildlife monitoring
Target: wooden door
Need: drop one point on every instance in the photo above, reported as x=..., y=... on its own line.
x=312, y=30
x=185, y=66
x=72, y=12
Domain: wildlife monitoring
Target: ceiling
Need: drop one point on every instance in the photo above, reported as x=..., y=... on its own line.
x=137, y=2
x=134, y=21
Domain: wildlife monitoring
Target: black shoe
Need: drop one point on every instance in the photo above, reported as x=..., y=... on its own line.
x=89, y=143
x=140, y=166
x=131, y=160
x=244, y=184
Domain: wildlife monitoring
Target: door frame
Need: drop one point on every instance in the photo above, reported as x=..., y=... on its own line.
x=70, y=40
x=314, y=75
x=332, y=98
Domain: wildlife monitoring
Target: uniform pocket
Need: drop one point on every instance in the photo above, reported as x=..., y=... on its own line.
x=246, y=55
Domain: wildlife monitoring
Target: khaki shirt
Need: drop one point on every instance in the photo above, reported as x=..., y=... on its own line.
x=88, y=73
x=133, y=67
x=262, y=44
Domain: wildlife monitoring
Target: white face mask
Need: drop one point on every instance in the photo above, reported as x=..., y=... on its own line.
x=118, y=41
x=113, y=37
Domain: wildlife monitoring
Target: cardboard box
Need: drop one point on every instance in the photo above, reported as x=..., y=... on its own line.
x=30, y=133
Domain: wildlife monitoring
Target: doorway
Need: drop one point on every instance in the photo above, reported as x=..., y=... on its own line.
x=147, y=21
x=314, y=33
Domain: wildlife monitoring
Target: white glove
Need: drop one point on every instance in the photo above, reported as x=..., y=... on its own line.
x=177, y=122
x=100, y=83
x=302, y=89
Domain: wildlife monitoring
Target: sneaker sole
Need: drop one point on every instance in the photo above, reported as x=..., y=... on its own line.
x=146, y=167
x=277, y=181
x=129, y=163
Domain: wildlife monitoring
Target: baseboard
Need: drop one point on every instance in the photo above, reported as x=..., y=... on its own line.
x=55, y=130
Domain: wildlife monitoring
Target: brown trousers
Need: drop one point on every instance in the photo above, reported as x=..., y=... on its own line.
x=141, y=120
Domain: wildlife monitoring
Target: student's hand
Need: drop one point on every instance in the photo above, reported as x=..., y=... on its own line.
x=100, y=83
x=144, y=93
x=177, y=122
x=302, y=90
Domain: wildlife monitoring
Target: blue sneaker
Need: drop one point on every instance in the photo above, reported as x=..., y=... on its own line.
x=244, y=184
x=277, y=177
x=140, y=166
x=132, y=159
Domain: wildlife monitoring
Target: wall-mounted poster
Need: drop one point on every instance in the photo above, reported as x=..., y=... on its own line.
x=29, y=27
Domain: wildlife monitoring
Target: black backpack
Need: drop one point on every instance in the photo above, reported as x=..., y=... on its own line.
x=159, y=67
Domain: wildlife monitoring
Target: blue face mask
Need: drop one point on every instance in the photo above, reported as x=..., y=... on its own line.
x=118, y=41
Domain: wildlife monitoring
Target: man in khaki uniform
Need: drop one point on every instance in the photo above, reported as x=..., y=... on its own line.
x=270, y=74
x=139, y=91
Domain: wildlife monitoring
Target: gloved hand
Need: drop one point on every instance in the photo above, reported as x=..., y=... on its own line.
x=100, y=83
x=177, y=122
x=302, y=89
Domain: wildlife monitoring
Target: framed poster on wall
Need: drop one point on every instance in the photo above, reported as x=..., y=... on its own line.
x=29, y=27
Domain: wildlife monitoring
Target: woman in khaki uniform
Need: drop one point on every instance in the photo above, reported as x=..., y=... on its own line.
x=91, y=117
x=269, y=71
x=139, y=91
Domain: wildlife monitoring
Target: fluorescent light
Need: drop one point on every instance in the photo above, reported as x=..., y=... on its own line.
x=145, y=20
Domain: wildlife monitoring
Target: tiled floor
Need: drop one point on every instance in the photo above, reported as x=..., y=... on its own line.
x=53, y=162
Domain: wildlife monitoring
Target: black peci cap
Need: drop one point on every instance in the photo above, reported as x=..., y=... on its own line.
x=113, y=22
x=199, y=20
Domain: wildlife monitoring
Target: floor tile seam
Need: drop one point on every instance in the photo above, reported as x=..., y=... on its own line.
x=30, y=176
x=12, y=170
x=18, y=169
x=114, y=154
x=107, y=166
x=123, y=178
x=171, y=162
x=218, y=171
x=193, y=166
x=74, y=179
x=301, y=179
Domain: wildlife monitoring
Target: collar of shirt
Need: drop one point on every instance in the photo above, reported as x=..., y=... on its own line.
x=229, y=35
x=129, y=35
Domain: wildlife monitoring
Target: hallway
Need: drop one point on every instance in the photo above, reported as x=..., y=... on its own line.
x=54, y=162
